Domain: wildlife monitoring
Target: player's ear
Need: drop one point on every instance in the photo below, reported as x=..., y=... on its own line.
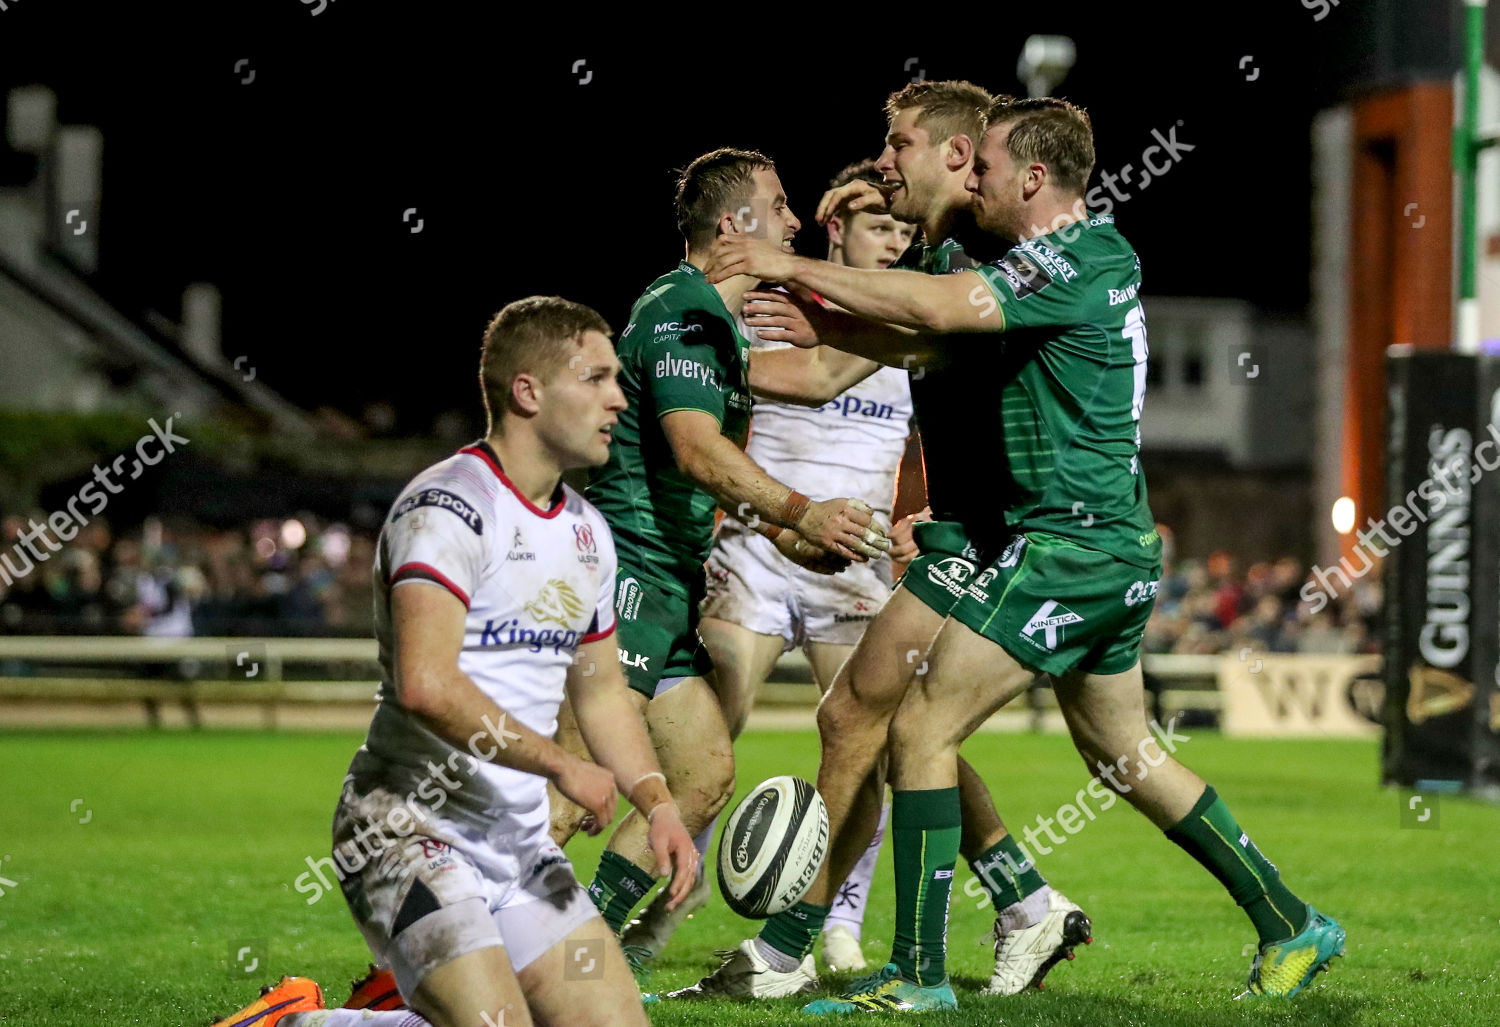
x=741, y=221
x=960, y=152
x=836, y=230
x=1037, y=175
x=526, y=393
x=731, y=223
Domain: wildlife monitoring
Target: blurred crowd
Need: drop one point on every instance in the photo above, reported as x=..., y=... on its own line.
x=305, y=577
x=178, y=578
x=1219, y=605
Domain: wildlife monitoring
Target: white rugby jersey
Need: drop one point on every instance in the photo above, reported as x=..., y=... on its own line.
x=537, y=583
x=850, y=446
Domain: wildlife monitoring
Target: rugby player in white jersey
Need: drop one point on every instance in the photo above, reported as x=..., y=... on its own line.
x=494, y=596
x=759, y=604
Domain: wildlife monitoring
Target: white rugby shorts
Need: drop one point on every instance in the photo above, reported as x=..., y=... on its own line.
x=751, y=584
x=429, y=896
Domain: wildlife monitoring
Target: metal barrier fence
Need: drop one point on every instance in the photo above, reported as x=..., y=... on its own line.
x=277, y=675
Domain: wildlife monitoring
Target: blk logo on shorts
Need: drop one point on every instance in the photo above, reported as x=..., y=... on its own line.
x=1050, y=619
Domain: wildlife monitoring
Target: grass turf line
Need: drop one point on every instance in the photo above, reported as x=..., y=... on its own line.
x=193, y=841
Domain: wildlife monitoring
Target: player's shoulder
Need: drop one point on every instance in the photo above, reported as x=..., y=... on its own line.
x=460, y=486
x=1109, y=267
x=680, y=288
x=678, y=307
x=577, y=506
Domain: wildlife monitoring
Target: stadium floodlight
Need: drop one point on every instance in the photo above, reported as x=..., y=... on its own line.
x=1044, y=62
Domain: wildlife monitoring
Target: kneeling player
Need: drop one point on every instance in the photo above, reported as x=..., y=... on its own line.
x=495, y=596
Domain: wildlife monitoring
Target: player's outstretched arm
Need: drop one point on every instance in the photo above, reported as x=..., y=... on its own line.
x=910, y=299
x=808, y=377
x=846, y=349
x=428, y=622
x=742, y=487
x=615, y=733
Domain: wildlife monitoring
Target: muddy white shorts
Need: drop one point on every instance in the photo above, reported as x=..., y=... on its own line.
x=432, y=895
x=751, y=584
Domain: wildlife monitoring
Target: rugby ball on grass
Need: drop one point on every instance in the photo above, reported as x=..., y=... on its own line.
x=772, y=847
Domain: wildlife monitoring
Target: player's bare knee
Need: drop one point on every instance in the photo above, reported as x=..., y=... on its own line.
x=844, y=717
x=915, y=732
x=703, y=789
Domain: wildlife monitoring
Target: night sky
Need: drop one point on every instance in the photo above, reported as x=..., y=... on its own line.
x=288, y=192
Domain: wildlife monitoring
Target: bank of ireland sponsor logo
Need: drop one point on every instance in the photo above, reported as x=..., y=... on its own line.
x=628, y=596
x=1049, y=621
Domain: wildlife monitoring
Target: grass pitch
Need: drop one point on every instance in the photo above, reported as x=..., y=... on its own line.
x=148, y=878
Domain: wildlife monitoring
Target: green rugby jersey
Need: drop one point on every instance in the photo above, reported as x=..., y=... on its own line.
x=680, y=351
x=948, y=402
x=1071, y=383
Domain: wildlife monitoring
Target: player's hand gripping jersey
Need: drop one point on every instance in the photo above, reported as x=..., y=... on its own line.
x=680, y=351
x=537, y=583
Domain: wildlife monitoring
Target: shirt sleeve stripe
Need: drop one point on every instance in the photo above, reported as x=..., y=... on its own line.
x=595, y=636
x=697, y=410
x=426, y=572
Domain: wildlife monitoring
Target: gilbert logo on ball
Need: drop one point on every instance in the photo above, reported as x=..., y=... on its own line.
x=772, y=847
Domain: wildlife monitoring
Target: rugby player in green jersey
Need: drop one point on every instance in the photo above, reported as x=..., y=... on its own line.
x=934, y=129
x=1070, y=593
x=677, y=454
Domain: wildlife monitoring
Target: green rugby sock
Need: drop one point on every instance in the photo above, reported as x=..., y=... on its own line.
x=617, y=887
x=794, y=931
x=1007, y=873
x=925, y=830
x=1211, y=836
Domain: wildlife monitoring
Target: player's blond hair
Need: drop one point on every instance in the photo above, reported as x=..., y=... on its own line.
x=538, y=336
x=714, y=184
x=1049, y=131
x=948, y=108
